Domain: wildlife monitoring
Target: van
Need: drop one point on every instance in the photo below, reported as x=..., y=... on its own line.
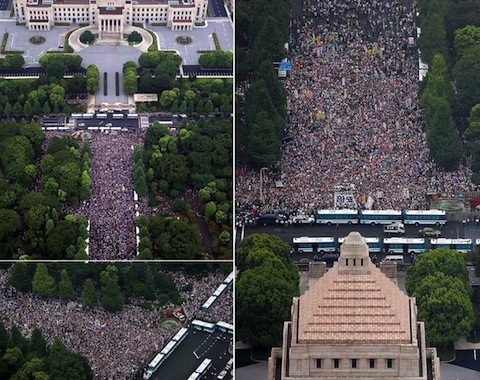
x=394, y=258
x=394, y=229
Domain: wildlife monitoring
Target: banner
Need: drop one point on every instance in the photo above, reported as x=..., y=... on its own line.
x=344, y=200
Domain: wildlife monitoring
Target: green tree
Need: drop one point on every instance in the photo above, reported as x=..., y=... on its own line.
x=267, y=288
x=43, y=284
x=466, y=72
x=38, y=344
x=19, y=278
x=465, y=38
x=65, y=287
x=112, y=300
x=446, y=261
x=89, y=296
x=13, y=356
x=17, y=340
x=445, y=307
x=87, y=37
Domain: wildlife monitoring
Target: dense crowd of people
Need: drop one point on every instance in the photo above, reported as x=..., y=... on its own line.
x=353, y=115
x=111, y=207
x=117, y=345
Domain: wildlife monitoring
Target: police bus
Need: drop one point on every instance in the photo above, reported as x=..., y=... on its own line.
x=329, y=217
x=306, y=244
x=460, y=245
x=375, y=217
x=417, y=217
x=404, y=245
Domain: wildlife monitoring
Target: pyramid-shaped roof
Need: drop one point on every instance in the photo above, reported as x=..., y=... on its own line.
x=354, y=302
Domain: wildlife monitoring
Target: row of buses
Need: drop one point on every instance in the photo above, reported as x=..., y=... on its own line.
x=201, y=370
x=166, y=352
x=218, y=292
x=374, y=217
x=329, y=245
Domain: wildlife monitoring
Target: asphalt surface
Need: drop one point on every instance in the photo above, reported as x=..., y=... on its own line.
x=197, y=346
x=216, y=8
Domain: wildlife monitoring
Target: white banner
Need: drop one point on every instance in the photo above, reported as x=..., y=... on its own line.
x=344, y=200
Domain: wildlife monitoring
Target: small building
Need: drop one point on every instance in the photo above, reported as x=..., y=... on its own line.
x=354, y=323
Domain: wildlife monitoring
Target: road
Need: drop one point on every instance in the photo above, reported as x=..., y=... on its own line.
x=452, y=230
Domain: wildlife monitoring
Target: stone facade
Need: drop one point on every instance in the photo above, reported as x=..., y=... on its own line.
x=355, y=323
x=110, y=15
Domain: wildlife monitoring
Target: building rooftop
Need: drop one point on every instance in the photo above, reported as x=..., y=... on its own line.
x=354, y=302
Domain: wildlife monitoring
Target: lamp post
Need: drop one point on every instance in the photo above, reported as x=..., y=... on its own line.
x=261, y=182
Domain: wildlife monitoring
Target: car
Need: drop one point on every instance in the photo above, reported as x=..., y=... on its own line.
x=303, y=219
x=430, y=232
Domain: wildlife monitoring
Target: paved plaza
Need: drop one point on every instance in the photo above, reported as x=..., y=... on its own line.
x=106, y=55
x=202, y=39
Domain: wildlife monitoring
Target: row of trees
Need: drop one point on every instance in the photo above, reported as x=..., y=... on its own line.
x=34, y=358
x=130, y=86
x=442, y=137
x=12, y=61
x=110, y=285
x=450, y=45
x=92, y=79
x=267, y=280
x=261, y=32
x=217, y=59
x=439, y=282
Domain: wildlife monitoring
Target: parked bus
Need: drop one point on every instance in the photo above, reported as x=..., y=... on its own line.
x=374, y=244
x=132, y=116
x=221, y=288
x=153, y=366
x=329, y=217
x=87, y=115
x=308, y=244
x=169, y=348
x=203, y=326
x=417, y=217
x=118, y=116
x=225, y=327
x=208, y=303
x=404, y=245
x=229, y=278
x=204, y=366
x=460, y=245
x=101, y=115
x=180, y=335
x=374, y=217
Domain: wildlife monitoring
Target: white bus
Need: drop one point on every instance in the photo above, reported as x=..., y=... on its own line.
x=345, y=216
x=208, y=303
x=229, y=279
x=417, y=217
x=375, y=217
x=87, y=115
x=203, y=326
x=153, y=366
x=308, y=244
x=101, y=115
x=460, y=245
x=204, y=366
x=118, y=116
x=404, y=245
x=225, y=327
x=132, y=116
x=169, y=348
x=180, y=335
x=374, y=244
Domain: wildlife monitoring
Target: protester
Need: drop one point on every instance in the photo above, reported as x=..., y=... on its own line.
x=353, y=114
x=117, y=345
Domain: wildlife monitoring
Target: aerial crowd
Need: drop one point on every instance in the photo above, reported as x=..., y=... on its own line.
x=353, y=116
x=117, y=345
x=111, y=208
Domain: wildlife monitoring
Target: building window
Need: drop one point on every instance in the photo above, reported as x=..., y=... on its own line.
x=361, y=262
x=346, y=262
x=319, y=363
x=354, y=262
x=354, y=363
x=336, y=363
x=389, y=363
x=372, y=363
